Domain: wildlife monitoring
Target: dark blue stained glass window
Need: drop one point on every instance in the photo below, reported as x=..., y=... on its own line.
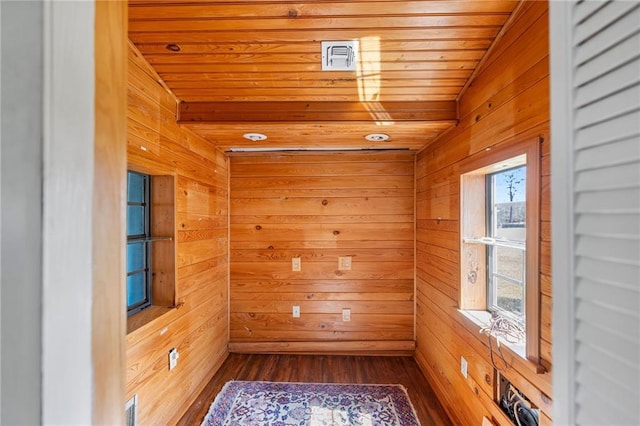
x=135, y=220
x=138, y=242
x=135, y=187
x=136, y=257
x=136, y=289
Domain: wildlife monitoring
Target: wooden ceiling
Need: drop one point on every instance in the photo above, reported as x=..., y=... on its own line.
x=240, y=66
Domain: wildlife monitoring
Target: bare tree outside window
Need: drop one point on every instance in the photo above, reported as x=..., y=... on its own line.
x=513, y=181
x=509, y=197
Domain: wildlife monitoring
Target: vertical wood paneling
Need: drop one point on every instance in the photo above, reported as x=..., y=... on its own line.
x=508, y=102
x=198, y=327
x=110, y=181
x=318, y=208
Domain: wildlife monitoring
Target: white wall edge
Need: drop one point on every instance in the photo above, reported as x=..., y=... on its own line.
x=563, y=317
x=69, y=92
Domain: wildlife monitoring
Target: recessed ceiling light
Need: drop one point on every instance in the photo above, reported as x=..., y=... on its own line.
x=255, y=136
x=377, y=137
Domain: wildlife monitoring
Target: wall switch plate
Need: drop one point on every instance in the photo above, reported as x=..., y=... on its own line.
x=296, y=264
x=296, y=311
x=463, y=366
x=173, y=358
x=346, y=315
x=344, y=263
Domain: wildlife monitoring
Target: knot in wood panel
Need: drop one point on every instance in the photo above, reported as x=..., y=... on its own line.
x=258, y=227
x=293, y=13
x=325, y=202
x=270, y=248
x=336, y=232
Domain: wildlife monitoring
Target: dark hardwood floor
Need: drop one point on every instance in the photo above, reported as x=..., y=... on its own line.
x=324, y=369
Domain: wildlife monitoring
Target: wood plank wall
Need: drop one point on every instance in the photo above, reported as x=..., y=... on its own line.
x=319, y=207
x=198, y=328
x=109, y=156
x=508, y=102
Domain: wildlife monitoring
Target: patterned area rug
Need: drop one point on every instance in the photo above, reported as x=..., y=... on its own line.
x=310, y=404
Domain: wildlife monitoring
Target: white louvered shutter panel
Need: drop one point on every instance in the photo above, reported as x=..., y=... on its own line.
x=606, y=203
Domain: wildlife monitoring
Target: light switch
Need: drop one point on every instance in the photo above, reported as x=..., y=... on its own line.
x=346, y=315
x=296, y=264
x=344, y=263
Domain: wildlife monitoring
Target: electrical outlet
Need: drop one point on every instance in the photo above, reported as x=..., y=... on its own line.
x=463, y=366
x=346, y=315
x=296, y=311
x=344, y=263
x=173, y=358
x=296, y=264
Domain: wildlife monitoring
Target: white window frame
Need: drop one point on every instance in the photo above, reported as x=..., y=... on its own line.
x=473, y=267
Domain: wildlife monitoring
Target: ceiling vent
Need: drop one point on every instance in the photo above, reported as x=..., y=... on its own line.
x=339, y=55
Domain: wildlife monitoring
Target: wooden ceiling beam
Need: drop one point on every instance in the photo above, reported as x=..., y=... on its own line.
x=311, y=93
x=316, y=111
x=195, y=97
x=322, y=134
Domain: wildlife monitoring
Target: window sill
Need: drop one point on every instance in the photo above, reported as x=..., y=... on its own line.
x=514, y=353
x=146, y=316
x=482, y=320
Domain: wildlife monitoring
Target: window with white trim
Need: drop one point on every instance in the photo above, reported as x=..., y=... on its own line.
x=499, y=220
